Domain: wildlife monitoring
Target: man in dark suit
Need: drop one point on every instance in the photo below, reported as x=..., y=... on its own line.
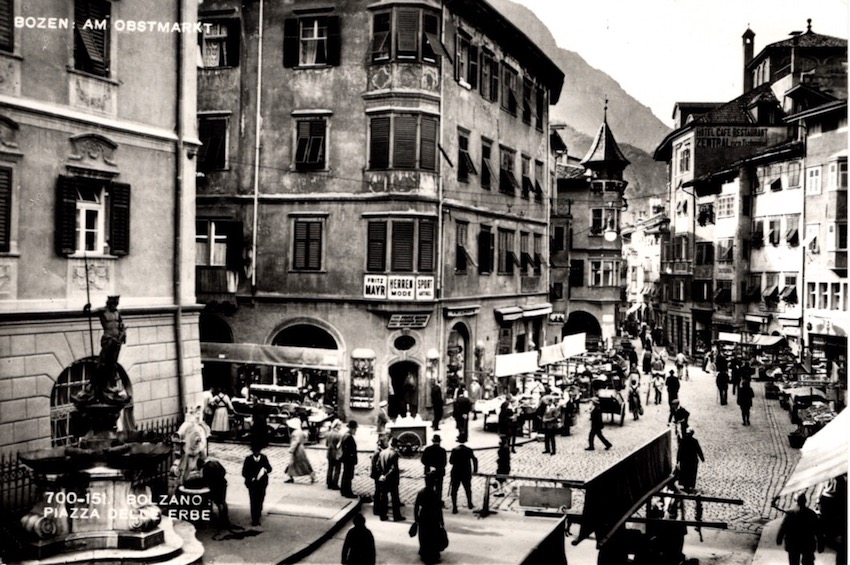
x=255, y=470
x=434, y=459
x=389, y=478
x=464, y=465
x=802, y=534
x=462, y=408
x=437, y=404
x=596, y=426
x=348, y=457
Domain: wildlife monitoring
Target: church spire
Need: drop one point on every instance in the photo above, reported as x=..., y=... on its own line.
x=605, y=156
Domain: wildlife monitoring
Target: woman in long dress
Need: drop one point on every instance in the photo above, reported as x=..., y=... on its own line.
x=299, y=465
x=222, y=407
x=428, y=514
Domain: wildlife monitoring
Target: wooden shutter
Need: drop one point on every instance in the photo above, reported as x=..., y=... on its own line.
x=334, y=41
x=316, y=148
x=402, y=246
x=302, y=141
x=5, y=208
x=119, y=215
x=290, y=43
x=428, y=144
x=404, y=142
x=235, y=242
x=379, y=143
x=472, y=74
x=234, y=33
x=484, y=263
x=407, y=32
x=66, y=215
x=308, y=245
x=376, y=247
x=7, y=34
x=91, y=50
x=426, y=247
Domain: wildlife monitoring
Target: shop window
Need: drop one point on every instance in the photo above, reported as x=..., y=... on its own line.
x=91, y=43
x=362, y=392
x=311, y=41
x=212, y=131
x=310, y=144
x=92, y=215
x=219, y=41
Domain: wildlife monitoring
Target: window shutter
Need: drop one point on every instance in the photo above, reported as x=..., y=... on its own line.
x=426, y=247
x=302, y=141
x=314, y=249
x=334, y=41
x=402, y=247
x=91, y=49
x=408, y=30
x=290, y=42
x=5, y=208
x=376, y=251
x=316, y=153
x=428, y=144
x=119, y=214
x=7, y=35
x=308, y=245
x=235, y=241
x=66, y=215
x=233, y=34
x=484, y=258
x=576, y=273
x=379, y=143
x=404, y=142
x=472, y=75
x=300, y=244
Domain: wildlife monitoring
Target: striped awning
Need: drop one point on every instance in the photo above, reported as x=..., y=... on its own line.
x=823, y=457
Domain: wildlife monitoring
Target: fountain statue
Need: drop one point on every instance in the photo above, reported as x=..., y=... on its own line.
x=92, y=497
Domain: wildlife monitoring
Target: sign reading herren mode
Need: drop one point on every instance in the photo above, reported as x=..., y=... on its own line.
x=398, y=287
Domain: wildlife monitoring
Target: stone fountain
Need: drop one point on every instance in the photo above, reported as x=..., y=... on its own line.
x=92, y=508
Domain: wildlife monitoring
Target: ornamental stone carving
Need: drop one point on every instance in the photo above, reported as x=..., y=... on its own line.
x=93, y=148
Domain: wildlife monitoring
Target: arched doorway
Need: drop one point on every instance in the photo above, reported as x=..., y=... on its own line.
x=404, y=389
x=310, y=378
x=457, y=362
x=580, y=321
x=65, y=427
x=213, y=329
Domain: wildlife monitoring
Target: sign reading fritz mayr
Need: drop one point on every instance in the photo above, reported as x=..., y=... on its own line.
x=398, y=287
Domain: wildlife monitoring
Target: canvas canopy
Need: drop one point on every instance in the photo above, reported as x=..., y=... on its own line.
x=823, y=457
x=570, y=346
x=254, y=354
x=515, y=363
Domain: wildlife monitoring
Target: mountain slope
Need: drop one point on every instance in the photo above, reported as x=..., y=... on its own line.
x=581, y=106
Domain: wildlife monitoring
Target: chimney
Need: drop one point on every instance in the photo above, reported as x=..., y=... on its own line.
x=748, y=38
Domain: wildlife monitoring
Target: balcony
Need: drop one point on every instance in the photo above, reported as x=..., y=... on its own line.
x=836, y=260
x=215, y=284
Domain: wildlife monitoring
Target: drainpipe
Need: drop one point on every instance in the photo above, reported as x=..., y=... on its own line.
x=257, y=130
x=178, y=216
x=440, y=225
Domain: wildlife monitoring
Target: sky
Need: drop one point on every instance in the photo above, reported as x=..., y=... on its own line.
x=665, y=51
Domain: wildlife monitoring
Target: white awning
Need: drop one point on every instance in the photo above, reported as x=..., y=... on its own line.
x=515, y=363
x=823, y=457
x=509, y=313
x=535, y=310
x=729, y=336
x=286, y=356
x=570, y=346
x=362, y=353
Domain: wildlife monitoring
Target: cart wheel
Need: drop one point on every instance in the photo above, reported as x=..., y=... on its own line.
x=408, y=444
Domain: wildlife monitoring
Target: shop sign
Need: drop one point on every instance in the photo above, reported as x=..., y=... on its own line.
x=557, y=317
x=398, y=287
x=415, y=321
x=375, y=286
x=361, y=403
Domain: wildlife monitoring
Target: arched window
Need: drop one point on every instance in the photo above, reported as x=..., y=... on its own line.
x=64, y=427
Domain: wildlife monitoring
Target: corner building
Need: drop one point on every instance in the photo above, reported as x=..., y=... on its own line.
x=97, y=188
x=373, y=197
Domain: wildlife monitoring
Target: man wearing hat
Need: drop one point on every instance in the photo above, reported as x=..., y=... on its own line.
x=596, y=426
x=348, y=447
x=333, y=443
x=434, y=459
x=688, y=458
x=474, y=395
x=436, y=404
x=382, y=419
x=464, y=465
x=801, y=532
